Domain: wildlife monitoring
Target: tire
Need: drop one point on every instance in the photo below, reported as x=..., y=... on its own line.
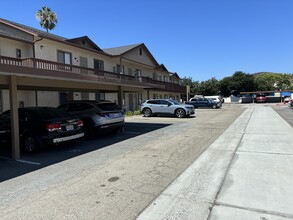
x=89, y=129
x=147, y=112
x=31, y=143
x=180, y=113
x=214, y=106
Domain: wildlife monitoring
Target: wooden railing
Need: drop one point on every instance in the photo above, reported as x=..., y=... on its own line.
x=56, y=66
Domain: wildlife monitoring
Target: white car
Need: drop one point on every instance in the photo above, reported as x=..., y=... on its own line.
x=166, y=107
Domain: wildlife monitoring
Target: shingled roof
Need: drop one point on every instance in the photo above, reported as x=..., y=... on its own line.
x=116, y=51
x=32, y=30
x=80, y=41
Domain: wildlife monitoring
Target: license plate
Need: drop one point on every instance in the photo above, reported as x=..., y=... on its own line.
x=69, y=127
x=115, y=115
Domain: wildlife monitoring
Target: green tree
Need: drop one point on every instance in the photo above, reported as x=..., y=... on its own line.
x=47, y=18
x=194, y=85
x=239, y=81
x=209, y=87
x=273, y=81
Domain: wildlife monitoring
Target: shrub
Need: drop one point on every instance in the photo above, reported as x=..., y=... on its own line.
x=131, y=113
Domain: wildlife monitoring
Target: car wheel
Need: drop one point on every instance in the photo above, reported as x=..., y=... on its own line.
x=147, y=112
x=89, y=129
x=180, y=113
x=214, y=106
x=31, y=143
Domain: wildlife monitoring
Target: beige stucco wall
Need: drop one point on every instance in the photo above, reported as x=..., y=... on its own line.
x=25, y=97
x=135, y=56
x=112, y=97
x=8, y=48
x=28, y=98
x=48, y=98
x=49, y=49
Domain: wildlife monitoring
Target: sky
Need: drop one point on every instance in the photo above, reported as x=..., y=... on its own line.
x=200, y=39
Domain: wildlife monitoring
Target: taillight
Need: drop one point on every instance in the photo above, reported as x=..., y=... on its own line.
x=80, y=123
x=53, y=127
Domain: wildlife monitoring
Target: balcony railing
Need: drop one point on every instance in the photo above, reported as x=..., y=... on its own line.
x=46, y=65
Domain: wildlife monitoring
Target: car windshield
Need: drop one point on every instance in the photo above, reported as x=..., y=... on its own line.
x=174, y=102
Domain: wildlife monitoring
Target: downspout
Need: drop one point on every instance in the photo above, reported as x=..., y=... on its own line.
x=121, y=65
x=34, y=65
x=34, y=49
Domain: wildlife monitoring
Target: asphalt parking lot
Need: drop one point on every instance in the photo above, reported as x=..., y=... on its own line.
x=59, y=153
x=54, y=154
x=126, y=170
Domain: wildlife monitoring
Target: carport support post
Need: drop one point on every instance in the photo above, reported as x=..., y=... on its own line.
x=120, y=98
x=14, y=117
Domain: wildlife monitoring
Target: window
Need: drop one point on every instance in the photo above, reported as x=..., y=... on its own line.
x=99, y=64
x=164, y=102
x=129, y=71
x=65, y=58
x=119, y=70
x=140, y=51
x=18, y=53
x=83, y=63
x=137, y=72
x=155, y=102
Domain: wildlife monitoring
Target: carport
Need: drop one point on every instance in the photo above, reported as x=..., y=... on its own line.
x=35, y=74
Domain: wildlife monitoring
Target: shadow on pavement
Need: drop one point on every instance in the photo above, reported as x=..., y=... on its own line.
x=54, y=154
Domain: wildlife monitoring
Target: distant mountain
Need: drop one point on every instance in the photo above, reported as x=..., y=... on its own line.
x=259, y=73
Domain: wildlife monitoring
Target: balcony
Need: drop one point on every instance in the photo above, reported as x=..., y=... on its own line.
x=45, y=68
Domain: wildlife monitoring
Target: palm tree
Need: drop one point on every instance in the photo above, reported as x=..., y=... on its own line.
x=47, y=18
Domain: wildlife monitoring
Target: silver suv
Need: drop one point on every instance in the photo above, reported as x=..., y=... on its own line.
x=166, y=107
x=98, y=116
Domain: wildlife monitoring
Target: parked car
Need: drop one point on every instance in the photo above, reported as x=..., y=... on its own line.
x=41, y=126
x=165, y=107
x=287, y=99
x=204, y=103
x=217, y=98
x=260, y=98
x=291, y=102
x=98, y=116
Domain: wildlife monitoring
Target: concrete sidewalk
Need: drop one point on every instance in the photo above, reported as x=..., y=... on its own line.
x=247, y=173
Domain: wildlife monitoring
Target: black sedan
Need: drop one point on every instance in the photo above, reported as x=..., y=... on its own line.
x=204, y=103
x=41, y=126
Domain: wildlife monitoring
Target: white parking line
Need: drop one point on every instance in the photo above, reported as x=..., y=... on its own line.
x=28, y=162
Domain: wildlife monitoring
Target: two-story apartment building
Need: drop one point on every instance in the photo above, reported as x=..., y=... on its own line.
x=127, y=75
x=41, y=69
